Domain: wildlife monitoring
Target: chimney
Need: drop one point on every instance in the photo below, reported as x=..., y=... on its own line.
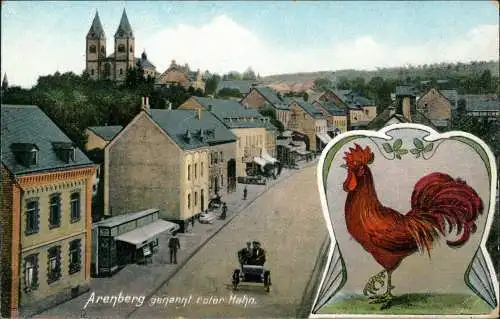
x=407, y=108
x=145, y=105
x=198, y=114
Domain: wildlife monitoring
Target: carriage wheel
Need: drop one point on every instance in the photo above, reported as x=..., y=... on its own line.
x=267, y=280
x=236, y=278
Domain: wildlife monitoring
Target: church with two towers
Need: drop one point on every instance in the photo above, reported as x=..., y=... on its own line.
x=101, y=66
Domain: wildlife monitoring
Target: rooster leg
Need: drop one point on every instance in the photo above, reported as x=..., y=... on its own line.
x=374, y=284
x=387, y=296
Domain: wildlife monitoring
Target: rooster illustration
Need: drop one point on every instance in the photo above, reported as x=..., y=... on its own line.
x=439, y=204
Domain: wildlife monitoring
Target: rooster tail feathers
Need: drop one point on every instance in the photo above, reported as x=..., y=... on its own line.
x=446, y=204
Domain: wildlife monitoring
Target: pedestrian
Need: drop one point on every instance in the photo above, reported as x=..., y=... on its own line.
x=245, y=255
x=245, y=192
x=224, y=211
x=174, y=245
x=192, y=221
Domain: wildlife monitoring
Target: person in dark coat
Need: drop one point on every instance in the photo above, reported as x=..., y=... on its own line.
x=245, y=254
x=245, y=192
x=258, y=254
x=174, y=245
x=224, y=211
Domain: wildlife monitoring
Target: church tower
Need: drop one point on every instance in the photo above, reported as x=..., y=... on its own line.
x=124, y=49
x=95, y=49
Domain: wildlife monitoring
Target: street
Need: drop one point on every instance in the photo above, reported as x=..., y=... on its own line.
x=287, y=220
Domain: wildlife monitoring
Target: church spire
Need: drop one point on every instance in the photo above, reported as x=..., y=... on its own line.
x=124, y=29
x=96, y=30
x=5, y=82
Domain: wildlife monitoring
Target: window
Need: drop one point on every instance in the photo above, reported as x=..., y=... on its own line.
x=189, y=172
x=121, y=48
x=31, y=272
x=189, y=200
x=55, y=211
x=33, y=157
x=92, y=48
x=92, y=72
x=32, y=217
x=196, y=170
x=121, y=71
x=75, y=207
x=131, y=49
x=54, y=264
x=195, y=199
x=75, y=256
x=202, y=199
x=221, y=157
x=201, y=169
x=102, y=50
x=221, y=181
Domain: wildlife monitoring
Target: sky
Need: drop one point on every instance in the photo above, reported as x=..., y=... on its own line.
x=40, y=38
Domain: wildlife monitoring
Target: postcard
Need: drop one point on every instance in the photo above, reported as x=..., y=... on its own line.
x=270, y=159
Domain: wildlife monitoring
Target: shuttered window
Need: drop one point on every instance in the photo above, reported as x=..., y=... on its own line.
x=54, y=264
x=75, y=207
x=55, y=211
x=31, y=272
x=75, y=256
x=32, y=216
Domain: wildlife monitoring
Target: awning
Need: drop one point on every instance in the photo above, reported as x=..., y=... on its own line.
x=301, y=152
x=325, y=138
x=141, y=235
x=266, y=156
x=260, y=161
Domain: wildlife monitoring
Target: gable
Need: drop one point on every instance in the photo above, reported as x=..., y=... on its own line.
x=142, y=130
x=191, y=104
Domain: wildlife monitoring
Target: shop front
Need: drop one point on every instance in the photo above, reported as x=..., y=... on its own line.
x=126, y=239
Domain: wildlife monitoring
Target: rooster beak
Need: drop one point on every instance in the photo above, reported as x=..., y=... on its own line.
x=343, y=166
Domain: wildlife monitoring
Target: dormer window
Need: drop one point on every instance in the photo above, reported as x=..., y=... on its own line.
x=65, y=151
x=26, y=153
x=121, y=48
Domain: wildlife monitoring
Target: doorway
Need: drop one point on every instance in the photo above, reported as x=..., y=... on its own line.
x=231, y=175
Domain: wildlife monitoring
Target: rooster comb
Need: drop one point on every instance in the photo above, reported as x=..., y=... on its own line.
x=358, y=155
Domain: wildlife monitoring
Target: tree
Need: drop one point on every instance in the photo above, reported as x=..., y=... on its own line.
x=343, y=83
x=229, y=92
x=321, y=84
x=211, y=84
x=271, y=114
x=485, y=82
x=233, y=75
x=249, y=74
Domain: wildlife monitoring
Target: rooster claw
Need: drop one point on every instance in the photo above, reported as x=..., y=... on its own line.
x=385, y=299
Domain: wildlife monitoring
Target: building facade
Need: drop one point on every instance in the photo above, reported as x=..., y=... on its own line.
x=97, y=139
x=265, y=97
x=46, y=213
x=254, y=132
x=335, y=115
x=181, y=75
x=402, y=110
x=167, y=163
x=310, y=123
x=114, y=67
x=436, y=107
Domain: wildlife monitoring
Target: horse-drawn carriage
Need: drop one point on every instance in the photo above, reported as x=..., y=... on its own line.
x=252, y=268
